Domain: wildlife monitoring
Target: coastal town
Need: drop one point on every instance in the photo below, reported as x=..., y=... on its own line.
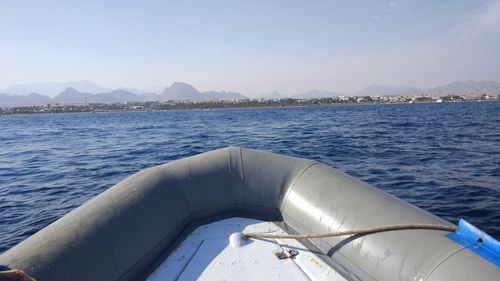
x=162, y=105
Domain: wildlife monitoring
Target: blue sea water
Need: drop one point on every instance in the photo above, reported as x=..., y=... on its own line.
x=444, y=158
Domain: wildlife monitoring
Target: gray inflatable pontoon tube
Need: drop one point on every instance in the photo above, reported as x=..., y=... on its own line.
x=125, y=232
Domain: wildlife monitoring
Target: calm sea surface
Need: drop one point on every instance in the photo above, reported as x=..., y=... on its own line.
x=444, y=158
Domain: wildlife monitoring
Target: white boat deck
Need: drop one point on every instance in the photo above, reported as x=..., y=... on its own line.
x=216, y=251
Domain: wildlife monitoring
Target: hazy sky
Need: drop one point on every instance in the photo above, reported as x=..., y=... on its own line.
x=250, y=46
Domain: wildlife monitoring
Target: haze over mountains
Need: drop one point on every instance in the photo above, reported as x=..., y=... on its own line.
x=87, y=92
x=386, y=90
x=52, y=89
x=272, y=95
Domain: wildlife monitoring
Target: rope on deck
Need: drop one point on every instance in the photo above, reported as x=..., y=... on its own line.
x=369, y=230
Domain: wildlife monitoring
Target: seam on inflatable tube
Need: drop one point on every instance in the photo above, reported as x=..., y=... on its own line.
x=243, y=176
x=230, y=168
x=235, y=168
x=286, y=191
x=443, y=261
x=169, y=178
x=130, y=269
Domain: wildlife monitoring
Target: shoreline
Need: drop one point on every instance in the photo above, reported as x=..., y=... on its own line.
x=215, y=107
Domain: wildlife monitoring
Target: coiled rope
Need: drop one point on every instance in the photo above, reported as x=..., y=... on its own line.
x=352, y=231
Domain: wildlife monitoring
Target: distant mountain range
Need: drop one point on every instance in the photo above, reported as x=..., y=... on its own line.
x=184, y=91
x=467, y=88
x=316, y=94
x=464, y=88
x=24, y=99
x=52, y=89
x=88, y=92
x=177, y=91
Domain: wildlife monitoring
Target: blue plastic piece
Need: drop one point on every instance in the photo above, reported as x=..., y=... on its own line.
x=4, y=267
x=477, y=241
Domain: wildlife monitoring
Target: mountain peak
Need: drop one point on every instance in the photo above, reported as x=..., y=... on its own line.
x=70, y=90
x=180, y=84
x=181, y=91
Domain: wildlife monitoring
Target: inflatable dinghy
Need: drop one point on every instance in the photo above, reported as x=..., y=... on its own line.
x=186, y=220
